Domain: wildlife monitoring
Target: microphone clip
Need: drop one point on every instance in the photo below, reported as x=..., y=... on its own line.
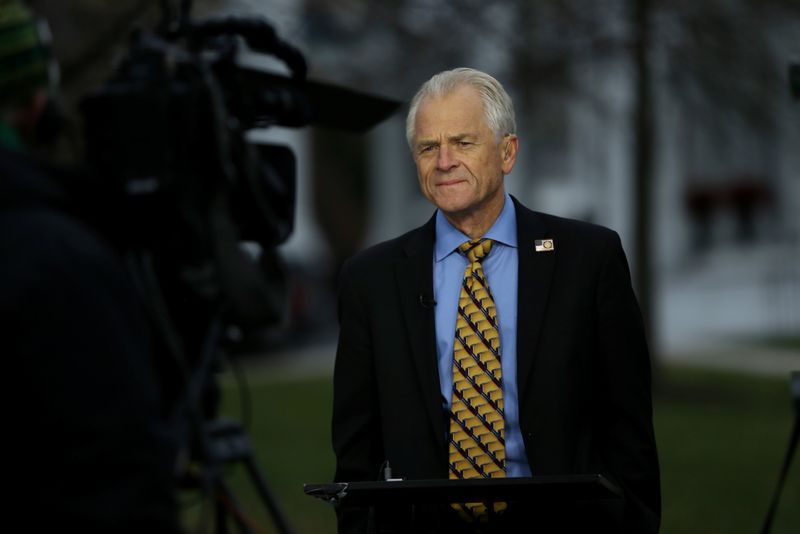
x=426, y=302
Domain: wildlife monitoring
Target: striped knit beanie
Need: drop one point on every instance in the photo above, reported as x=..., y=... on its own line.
x=25, y=55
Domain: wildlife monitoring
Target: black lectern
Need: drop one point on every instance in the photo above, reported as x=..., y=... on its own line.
x=543, y=503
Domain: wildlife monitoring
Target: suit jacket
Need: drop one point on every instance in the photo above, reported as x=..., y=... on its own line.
x=582, y=366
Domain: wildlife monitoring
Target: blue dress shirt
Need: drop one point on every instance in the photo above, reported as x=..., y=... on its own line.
x=501, y=270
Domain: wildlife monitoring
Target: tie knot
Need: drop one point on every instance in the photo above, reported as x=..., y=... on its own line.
x=475, y=251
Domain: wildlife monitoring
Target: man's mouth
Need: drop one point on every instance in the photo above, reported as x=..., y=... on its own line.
x=453, y=181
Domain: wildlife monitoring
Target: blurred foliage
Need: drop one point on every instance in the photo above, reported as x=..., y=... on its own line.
x=781, y=342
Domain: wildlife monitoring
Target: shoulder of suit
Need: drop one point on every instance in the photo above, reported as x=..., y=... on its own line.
x=564, y=225
x=576, y=226
x=386, y=253
x=572, y=237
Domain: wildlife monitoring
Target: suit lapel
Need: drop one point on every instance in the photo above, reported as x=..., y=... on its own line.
x=535, y=275
x=414, y=276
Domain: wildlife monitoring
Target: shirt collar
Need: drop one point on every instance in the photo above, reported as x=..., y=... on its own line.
x=448, y=237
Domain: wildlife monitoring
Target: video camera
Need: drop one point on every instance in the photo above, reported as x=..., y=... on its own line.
x=170, y=132
x=169, y=135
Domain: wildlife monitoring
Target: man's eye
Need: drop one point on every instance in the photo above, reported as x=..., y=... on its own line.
x=426, y=149
x=464, y=143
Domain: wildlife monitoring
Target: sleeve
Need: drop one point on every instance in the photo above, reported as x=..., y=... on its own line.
x=627, y=438
x=355, y=426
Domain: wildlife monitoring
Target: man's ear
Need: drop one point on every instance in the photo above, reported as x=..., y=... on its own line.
x=508, y=151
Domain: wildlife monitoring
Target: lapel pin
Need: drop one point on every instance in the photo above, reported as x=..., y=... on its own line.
x=544, y=245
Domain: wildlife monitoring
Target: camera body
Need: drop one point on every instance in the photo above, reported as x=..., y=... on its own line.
x=167, y=135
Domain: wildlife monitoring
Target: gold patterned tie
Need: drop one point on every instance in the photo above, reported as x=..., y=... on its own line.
x=477, y=424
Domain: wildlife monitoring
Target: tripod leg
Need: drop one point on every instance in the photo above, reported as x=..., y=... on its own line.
x=267, y=496
x=220, y=517
x=229, y=444
x=228, y=506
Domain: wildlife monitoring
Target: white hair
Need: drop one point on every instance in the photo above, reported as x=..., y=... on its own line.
x=498, y=109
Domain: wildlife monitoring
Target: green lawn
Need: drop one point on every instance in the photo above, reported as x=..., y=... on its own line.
x=721, y=440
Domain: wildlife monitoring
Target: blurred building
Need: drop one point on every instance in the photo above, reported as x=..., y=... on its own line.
x=726, y=186
x=725, y=191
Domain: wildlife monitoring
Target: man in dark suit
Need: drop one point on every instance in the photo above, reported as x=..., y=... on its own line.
x=554, y=324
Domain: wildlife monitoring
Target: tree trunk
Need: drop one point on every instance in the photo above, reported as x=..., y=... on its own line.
x=643, y=163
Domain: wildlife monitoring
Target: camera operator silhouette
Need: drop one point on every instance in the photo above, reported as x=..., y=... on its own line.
x=91, y=447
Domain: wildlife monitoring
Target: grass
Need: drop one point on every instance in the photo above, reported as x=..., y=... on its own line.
x=721, y=439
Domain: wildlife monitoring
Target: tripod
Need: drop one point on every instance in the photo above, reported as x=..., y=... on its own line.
x=230, y=444
x=216, y=442
x=222, y=442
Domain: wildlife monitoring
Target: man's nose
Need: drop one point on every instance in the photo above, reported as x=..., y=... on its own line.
x=446, y=159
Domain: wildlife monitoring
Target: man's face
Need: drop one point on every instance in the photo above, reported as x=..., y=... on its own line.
x=459, y=163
